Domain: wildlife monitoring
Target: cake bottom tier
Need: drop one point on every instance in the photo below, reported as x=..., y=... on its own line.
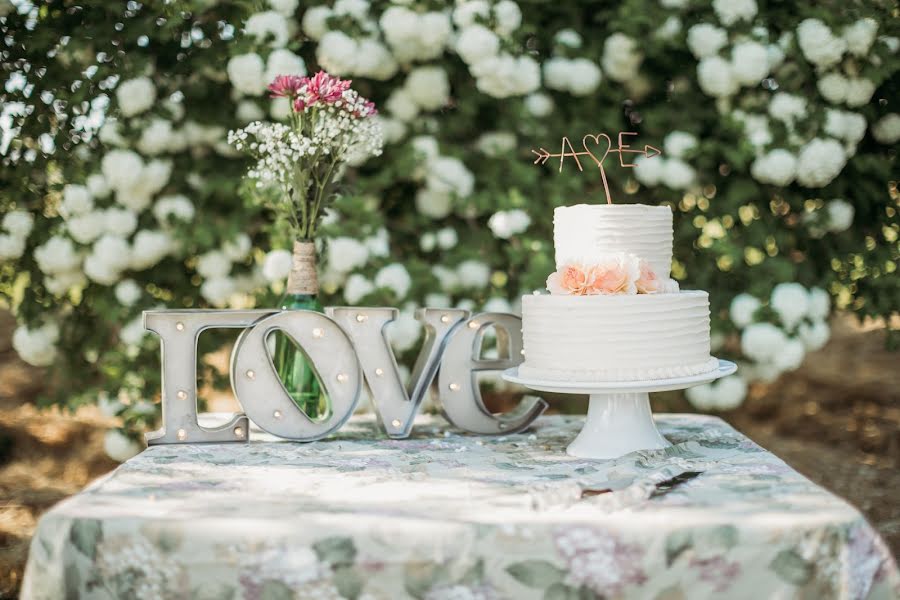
x=616, y=338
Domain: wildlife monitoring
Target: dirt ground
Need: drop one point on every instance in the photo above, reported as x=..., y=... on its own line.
x=836, y=420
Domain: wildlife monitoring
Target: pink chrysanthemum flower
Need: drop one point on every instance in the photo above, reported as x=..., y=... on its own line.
x=287, y=86
x=322, y=87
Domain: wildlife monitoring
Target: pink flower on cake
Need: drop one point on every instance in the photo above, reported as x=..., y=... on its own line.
x=570, y=280
x=615, y=275
x=619, y=273
x=648, y=282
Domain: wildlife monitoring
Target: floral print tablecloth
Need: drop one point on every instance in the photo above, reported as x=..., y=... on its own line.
x=444, y=515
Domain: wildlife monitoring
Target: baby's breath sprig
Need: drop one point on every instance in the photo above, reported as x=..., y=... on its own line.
x=330, y=124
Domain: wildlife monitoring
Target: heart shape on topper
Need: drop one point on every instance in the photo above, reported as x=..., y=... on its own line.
x=596, y=139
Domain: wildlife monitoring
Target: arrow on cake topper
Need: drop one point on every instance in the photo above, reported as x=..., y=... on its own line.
x=602, y=142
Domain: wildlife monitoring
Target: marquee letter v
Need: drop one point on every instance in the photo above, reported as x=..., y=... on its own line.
x=396, y=405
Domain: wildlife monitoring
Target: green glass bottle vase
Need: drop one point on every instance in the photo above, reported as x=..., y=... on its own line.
x=294, y=368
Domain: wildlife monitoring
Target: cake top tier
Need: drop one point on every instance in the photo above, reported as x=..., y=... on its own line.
x=586, y=231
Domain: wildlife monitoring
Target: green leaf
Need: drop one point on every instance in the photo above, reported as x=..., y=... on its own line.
x=336, y=551
x=85, y=534
x=348, y=582
x=475, y=574
x=673, y=592
x=792, y=568
x=561, y=591
x=676, y=543
x=72, y=579
x=536, y=573
x=724, y=536
x=421, y=577
x=275, y=590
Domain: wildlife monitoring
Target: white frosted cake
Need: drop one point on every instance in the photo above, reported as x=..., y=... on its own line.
x=613, y=313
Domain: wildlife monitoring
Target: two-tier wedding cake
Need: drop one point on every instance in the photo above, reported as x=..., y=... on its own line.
x=613, y=313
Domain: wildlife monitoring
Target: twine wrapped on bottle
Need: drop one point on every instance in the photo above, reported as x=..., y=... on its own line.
x=303, y=279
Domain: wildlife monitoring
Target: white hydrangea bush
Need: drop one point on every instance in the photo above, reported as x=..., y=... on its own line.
x=120, y=194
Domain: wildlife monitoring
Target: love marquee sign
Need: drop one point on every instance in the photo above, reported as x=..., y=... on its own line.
x=348, y=350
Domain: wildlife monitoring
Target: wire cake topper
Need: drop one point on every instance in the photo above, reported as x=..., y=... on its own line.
x=601, y=142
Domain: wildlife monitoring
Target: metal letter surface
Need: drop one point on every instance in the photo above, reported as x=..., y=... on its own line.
x=179, y=331
x=331, y=354
x=458, y=383
x=396, y=406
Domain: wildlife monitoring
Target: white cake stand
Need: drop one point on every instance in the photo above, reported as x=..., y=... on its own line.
x=619, y=419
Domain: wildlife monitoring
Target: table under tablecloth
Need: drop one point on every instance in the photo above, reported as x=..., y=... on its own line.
x=444, y=515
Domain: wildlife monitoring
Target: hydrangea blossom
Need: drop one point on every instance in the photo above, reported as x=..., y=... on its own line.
x=819, y=45
x=860, y=35
x=679, y=143
x=887, y=129
x=496, y=143
x=539, y=105
x=338, y=52
x=446, y=238
x=507, y=223
x=714, y=74
x=579, y=76
x=315, y=21
x=473, y=274
x=135, y=96
x=833, y=87
x=761, y=341
x=787, y=108
x=705, y=40
x=859, y=91
x=814, y=335
x=844, y=125
x=508, y=17
x=621, y=57
x=778, y=167
x=732, y=11
x=127, y=292
x=268, y=25
x=247, y=73
x=346, y=254
x=749, y=62
x=357, y=287
x=819, y=162
x=414, y=36
x=36, y=346
x=840, y=215
x=18, y=223
x=725, y=394
x=505, y=75
x=394, y=277
x=428, y=87
x=277, y=265
x=791, y=302
x=743, y=308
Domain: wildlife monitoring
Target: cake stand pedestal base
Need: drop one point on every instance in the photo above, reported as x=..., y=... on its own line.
x=617, y=424
x=619, y=419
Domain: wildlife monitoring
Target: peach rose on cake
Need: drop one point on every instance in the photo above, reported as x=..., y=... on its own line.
x=571, y=279
x=615, y=274
x=647, y=282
